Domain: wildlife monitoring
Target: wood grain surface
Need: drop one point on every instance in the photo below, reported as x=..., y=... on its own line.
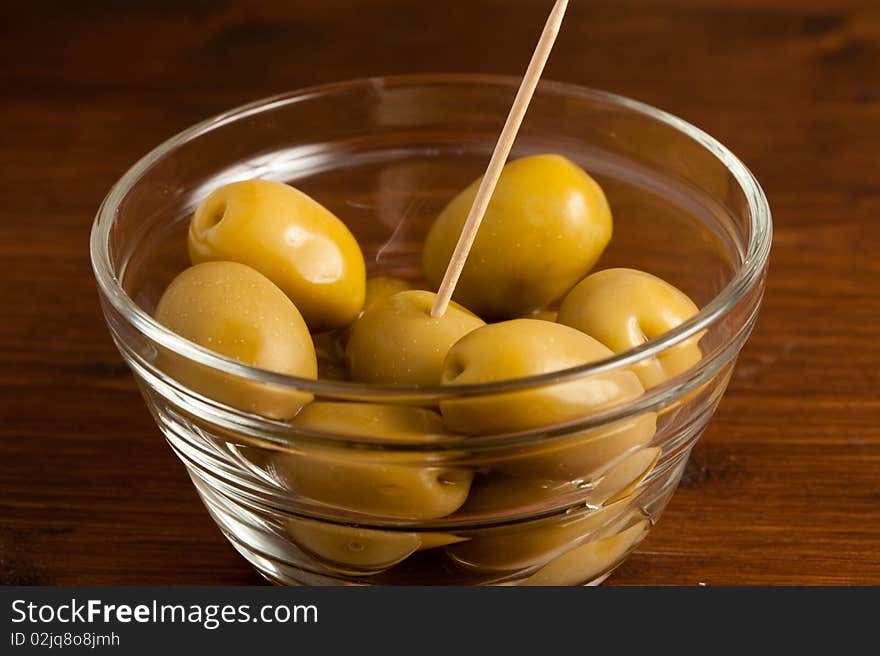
x=785, y=486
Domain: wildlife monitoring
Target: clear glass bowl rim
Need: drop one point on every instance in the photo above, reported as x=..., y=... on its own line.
x=748, y=275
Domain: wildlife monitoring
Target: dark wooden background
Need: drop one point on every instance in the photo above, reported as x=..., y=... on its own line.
x=785, y=486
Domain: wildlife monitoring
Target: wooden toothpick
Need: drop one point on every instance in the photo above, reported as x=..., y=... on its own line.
x=499, y=158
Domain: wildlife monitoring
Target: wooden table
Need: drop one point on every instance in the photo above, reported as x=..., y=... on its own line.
x=785, y=486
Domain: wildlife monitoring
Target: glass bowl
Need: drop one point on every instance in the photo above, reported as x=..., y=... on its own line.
x=561, y=504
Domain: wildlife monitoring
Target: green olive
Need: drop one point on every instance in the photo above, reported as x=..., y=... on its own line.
x=520, y=546
x=496, y=492
x=414, y=485
x=624, y=308
x=545, y=228
x=589, y=561
x=527, y=347
x=582, y=456
x=355, y=550
x=502, y=493
x=395, y=424
x=378, y=289
x=236, y=311
x=291, y=239
x=331, y=356
x=398, y=342
x=543, y=315
x=381, y=287
x=621, y=480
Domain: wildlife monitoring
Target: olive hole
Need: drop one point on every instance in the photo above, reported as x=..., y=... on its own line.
x=453, y=370
x=216, y=216
x=638, y=330
x=447, y=478
x=213, y=216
